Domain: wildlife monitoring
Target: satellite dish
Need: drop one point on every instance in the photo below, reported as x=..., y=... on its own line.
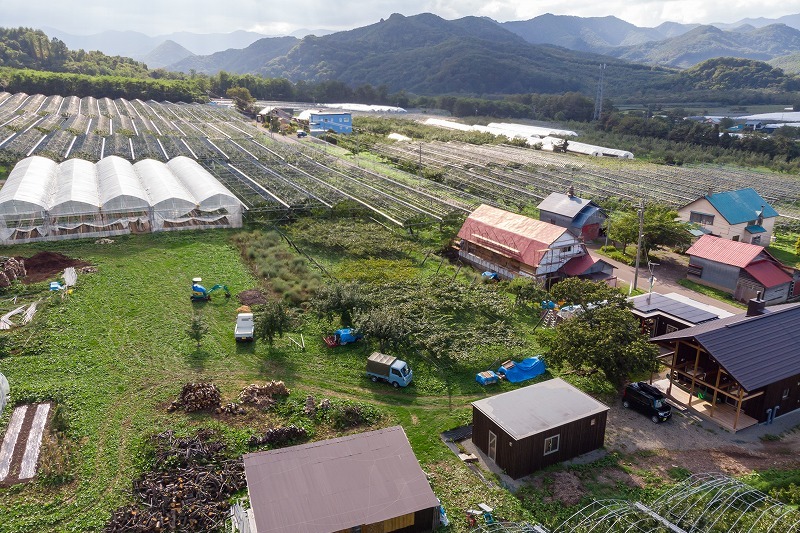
x=4, y=390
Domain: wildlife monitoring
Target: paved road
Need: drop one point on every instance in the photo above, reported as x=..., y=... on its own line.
x=671, y=268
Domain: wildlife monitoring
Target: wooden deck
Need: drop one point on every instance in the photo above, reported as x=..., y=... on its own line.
x=723, y=414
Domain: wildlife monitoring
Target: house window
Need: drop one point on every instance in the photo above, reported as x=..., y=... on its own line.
x=593, y=422
x=785, y=394
x=695, y=270
x=735, y=238
x=701, y=218
x=355, y=529
x=756, y=239
x=551, y=444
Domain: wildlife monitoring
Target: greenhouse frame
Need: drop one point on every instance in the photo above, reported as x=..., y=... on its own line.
x=44, y=200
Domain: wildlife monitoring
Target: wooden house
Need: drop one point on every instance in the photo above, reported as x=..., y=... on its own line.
x=368, y=482
x=583, y=218
x=741, y=269
x=664, y=313
x=741, y=215
x=533, y=427
x=514, y=245
x=739, y=370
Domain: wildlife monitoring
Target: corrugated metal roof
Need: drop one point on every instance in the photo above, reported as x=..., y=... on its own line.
x=530, y=410
x=509, y=234
x=768, y=274
x=565, y=205
x=336, y=484
x=724, y=251
x=755, y=229
x=578, y=265
x=740, y=206
x=654, y=302
x=755, y=350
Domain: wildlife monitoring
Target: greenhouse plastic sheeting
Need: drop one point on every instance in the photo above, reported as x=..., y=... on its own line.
x=526, y=369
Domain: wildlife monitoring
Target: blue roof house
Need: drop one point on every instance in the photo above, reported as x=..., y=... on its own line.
x=741, y=215
x=322, y=121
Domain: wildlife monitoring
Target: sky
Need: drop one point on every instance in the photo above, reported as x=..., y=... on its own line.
x=281, y=17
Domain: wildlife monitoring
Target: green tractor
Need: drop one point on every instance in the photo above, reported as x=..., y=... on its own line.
x=201, y=294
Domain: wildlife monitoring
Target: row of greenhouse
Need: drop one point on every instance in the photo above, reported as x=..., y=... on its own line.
x=45, y=200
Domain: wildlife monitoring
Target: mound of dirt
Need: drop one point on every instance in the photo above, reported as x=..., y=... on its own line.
x=46, y=265
x=250, y=297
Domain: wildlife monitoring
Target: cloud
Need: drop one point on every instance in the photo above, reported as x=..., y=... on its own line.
x=155, y=17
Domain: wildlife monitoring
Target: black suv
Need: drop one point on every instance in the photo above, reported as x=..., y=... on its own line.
x=647, y=399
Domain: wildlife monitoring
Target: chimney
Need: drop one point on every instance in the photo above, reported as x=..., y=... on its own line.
x=571, y=191
x=756, y=305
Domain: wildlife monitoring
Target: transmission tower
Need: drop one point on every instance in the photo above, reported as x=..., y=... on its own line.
x=598, y=99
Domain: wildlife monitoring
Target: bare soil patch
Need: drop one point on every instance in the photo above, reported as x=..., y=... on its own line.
x=251, y=297
x=45, y=265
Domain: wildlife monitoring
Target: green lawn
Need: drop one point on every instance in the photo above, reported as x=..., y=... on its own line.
x=785, y=248
x=115, y=353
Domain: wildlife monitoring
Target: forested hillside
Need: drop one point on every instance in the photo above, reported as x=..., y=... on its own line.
x=33, y=49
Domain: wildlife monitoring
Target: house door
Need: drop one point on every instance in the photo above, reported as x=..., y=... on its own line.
x=492, y=446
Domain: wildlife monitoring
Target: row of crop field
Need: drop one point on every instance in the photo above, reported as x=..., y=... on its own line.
x=262, y=171
x=498, y=172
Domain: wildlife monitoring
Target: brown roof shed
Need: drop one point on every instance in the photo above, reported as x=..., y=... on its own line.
x=337, y=484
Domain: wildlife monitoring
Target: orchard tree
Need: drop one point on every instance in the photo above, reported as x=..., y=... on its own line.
x=606, y=338
x=197, y=328
x=661, y=228
x=271, y=319
x=343, y=299
x=526, y=291
x=576, y=291
x=242, y=97
x=387, y=326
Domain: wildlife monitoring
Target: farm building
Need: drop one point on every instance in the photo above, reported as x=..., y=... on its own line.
x=320, y=122
x=741, y=269
x=739, y=370
x=741, y=215
x=515, y=245
x=583, y=217
x=664, y=313
x=368, y=482
x=44, y=200
x=536, y=426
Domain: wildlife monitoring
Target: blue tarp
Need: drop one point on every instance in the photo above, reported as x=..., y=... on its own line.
x=486, y=378
x=526, y=369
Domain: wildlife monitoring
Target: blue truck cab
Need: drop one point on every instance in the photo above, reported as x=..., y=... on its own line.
x=382, y=367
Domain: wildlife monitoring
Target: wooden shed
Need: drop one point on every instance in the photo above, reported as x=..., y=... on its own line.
x=368, y=482
x=536, y=426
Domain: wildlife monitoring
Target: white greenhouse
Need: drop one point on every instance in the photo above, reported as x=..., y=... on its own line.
x=44, y=200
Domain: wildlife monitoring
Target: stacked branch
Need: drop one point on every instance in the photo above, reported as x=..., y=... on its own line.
x=263, y=396
x=197, y=397
x=279, y=436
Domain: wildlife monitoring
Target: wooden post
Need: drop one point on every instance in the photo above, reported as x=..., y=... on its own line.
x=694, y=374
x=716, y=389
x=738, y=408
x=674, y=364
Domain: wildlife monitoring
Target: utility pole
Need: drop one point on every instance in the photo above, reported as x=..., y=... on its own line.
x=639, y=244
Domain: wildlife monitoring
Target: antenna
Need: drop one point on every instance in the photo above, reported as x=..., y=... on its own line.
x=598, y=100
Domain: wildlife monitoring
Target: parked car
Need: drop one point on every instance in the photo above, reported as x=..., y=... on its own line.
x=301, y=134
x=647, y=399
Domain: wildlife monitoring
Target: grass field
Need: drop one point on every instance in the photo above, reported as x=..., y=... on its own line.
x=115, y=353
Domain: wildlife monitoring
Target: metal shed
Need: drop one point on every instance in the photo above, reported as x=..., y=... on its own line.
x=369, y=482
x=539, y=425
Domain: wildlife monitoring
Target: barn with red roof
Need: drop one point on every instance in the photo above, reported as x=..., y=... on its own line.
x=514, y=245
x=741, y=269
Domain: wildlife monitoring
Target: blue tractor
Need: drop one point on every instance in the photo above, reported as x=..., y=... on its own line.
x=201, y=294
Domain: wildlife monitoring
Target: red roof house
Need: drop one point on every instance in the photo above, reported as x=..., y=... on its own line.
x=515, y=245
x=740, y=268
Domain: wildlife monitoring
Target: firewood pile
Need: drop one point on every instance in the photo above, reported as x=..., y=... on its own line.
x=11, y=269
x=192, y=496
x=279, y=436
x=197, y=397
x=263, y=396
x=232, y=408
